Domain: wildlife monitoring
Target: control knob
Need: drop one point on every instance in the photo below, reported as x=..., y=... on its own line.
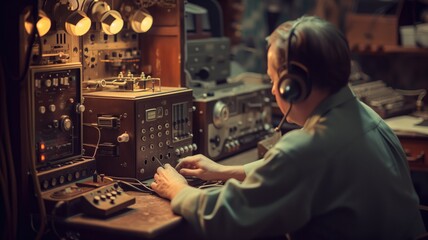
x=215, y=140
x=204, y=73
x=80, y=108
x=66, y=123
x=124, y=137
x=177, y=152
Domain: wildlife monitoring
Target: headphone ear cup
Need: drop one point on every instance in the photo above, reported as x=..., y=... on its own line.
x=289, y=89
x=294, y=85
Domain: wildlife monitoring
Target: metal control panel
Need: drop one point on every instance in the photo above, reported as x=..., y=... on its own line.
x=208, y=59
x=139, y=129
x=58, y=108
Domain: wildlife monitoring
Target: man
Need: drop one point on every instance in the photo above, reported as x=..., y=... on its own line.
x=343, y=175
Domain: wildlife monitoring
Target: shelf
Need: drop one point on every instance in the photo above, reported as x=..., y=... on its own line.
x=387, y=49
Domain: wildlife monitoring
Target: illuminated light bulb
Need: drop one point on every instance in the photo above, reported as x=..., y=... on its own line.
x=43, y=26
x=77, y=23
x=141, y=21
x=43, y=23
x=111, y=22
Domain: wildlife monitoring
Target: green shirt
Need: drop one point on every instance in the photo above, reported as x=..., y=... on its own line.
x=343, y=175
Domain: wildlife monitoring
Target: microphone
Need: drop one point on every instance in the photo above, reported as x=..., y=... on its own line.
x=278, y=128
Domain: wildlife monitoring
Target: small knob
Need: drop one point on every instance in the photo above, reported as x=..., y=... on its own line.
x=66, y=123
x=42, y=109
x=80, y=108
x=124, y=137
x=52, y=108
x=55, y=123
x=97, y=199
x=228, y=147
x=48, y=82
x=215, y=140
x=204, y=73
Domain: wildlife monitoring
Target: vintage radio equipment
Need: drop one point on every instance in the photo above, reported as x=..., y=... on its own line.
x=208, y=59
x=57, y=117
x=231, y=119
x=386, y=101
x=91, y=40
x=208, y=51
x=96, y=196
x=138, y=129
x=62, y=170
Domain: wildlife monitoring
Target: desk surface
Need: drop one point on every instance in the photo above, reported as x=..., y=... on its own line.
x=150, y=217
x=147, y=218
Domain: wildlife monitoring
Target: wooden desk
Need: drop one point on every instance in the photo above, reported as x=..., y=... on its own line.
x=416, y=148
x=150, y=217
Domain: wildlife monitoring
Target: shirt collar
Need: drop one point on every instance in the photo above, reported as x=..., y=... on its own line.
x=343, y=95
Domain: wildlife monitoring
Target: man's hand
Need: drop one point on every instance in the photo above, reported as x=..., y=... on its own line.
x=168, y=182
x=201, y=167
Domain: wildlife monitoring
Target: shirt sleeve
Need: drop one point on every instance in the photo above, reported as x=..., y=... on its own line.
x=266, y=203
x=252, y=165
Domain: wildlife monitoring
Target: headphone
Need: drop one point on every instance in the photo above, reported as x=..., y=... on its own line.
x=294, y=84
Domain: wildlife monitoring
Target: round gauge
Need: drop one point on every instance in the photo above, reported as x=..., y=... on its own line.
x=220, y=114
x=66, y=123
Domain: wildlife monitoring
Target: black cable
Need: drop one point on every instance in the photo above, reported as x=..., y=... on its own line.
x=126, y=179
x=28, y=148
x=284, y=119
x=57, y=206
x=98, y=142
x=6, y=206
x=9, y=184
x=7, y=173
x=34, y=36
x=131, y=185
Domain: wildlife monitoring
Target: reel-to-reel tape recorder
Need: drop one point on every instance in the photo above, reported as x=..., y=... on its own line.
x=233, y=119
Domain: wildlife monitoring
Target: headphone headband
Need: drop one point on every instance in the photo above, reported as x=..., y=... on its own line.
x=290, y=40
